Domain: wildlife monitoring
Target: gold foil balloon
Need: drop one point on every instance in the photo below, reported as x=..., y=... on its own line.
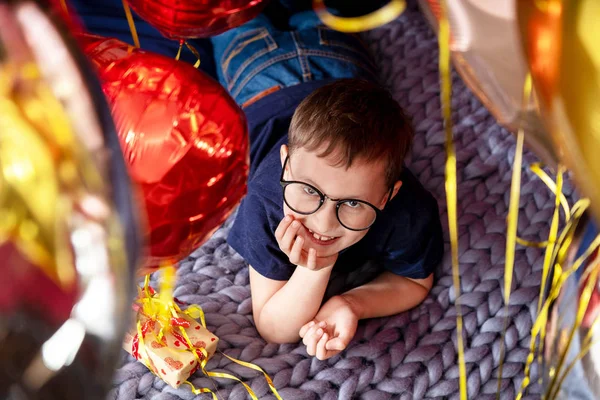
x=486, y=52
x=68, y=233
x=562, y=43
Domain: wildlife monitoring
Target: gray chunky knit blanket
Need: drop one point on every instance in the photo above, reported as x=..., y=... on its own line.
x=411, y=355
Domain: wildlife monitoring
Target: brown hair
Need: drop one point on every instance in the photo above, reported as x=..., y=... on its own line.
x=353, y=119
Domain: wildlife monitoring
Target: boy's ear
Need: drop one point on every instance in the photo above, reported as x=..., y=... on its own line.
x=283, y=153
x=397, y=187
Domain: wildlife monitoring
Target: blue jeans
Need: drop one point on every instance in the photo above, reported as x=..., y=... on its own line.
x=256, y=59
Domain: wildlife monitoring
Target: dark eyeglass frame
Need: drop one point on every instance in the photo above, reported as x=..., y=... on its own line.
x=284, y=184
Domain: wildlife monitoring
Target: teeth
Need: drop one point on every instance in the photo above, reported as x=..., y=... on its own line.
x=319, y=237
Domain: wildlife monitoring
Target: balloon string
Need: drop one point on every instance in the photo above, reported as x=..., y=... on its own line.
x=377, y=18
x=451, y=185
x=134, y=34
x=511, y=231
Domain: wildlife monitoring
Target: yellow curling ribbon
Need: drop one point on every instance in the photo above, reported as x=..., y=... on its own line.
x=380, y=17
x=548, y=255
x=451, y=185
x=529, y=243
x=587, y=344
x=557, y=261
x=161, y=307
x=513, y=209
x=511, y=231
x=191, y=48
x=134, y=34
x=582, y=307
x=537, y=169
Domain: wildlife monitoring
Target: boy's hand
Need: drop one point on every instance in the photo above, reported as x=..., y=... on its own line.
x=331, y=330
x=292, y=243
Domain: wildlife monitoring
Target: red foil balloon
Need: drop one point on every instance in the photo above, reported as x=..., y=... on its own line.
x=180, y=19
x=183, y=137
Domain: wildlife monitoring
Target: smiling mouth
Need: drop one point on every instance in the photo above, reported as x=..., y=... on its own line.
x=321, y=238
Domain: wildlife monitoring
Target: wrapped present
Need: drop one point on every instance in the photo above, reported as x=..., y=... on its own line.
x=173, y=343
x=169, y=354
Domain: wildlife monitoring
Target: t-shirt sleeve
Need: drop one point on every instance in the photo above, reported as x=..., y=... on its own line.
x=253, y=237
x=416, y=245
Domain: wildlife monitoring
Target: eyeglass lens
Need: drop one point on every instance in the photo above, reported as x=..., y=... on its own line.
x=306, y=200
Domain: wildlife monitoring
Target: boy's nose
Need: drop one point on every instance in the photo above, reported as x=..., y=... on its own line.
x=325, y=220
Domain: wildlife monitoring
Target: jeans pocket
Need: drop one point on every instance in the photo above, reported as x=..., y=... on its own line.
x=244, y=49
x=340, y=40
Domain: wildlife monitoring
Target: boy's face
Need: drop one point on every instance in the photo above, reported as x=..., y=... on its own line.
x=362, y=181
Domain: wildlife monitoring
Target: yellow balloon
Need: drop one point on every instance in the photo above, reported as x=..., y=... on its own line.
x=562, y=42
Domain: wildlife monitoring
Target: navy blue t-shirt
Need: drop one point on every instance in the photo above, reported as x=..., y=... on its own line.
x=406, y=238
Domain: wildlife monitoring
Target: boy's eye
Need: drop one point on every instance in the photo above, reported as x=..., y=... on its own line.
x=353, y=204
x=310, y=191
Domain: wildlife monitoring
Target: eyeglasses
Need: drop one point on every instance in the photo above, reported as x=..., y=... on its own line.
x=305, y=199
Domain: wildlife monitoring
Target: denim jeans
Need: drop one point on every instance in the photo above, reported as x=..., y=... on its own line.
x=256, y=59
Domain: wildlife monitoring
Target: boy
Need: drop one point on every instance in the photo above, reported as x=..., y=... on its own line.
x=330, y=195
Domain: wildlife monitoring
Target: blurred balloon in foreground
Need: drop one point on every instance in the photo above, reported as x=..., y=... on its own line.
x=561, y=39
x=184, y=19
x=486, y=52
x=184, y=139
x=68, y=238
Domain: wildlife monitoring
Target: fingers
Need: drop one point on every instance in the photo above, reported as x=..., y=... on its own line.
x=305, y=328
x=282, y=227
x=289, y=236
x=296, y=252
x=336, y=344
x=312, y=335
x=322, y=352
x=311, y=262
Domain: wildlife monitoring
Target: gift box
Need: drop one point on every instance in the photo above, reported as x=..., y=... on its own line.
x=171, y=355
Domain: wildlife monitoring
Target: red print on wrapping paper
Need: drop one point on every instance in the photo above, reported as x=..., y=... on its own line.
x=196, y=368
x=177, y=322
x=200, y=344
x=148, y=326
x=157, y=345
x=135, y=345
x=174, y=364
x=180, y=337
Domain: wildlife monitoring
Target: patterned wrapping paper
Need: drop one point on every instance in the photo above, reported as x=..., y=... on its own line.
x=170, y=358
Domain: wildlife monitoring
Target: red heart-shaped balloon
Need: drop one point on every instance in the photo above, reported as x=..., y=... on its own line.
x=184, y=138
x=179, y=19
